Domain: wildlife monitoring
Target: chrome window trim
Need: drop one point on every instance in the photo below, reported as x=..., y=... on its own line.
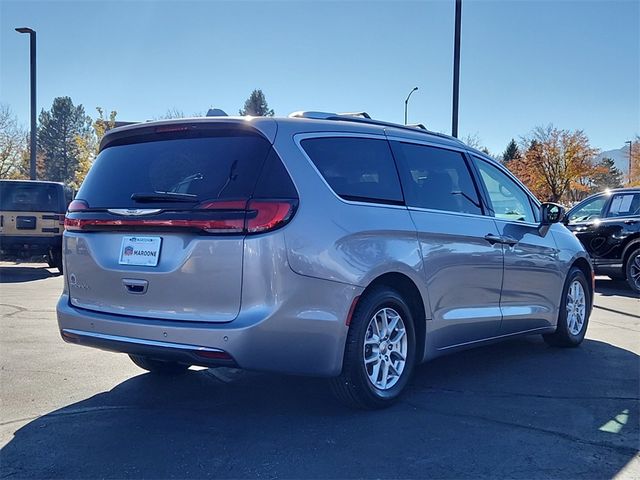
x=298, y=138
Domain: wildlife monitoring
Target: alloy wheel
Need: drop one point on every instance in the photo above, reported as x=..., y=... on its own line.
x=576, y=307
x=385, y=348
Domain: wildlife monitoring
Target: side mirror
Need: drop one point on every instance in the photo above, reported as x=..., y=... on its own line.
x=551, y=213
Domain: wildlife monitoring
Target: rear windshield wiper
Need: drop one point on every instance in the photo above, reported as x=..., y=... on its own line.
x=164, y=197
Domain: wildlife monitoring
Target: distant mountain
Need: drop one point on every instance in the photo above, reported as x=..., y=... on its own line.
x=619, y=156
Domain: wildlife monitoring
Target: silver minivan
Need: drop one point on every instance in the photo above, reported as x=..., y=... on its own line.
x=319, y=244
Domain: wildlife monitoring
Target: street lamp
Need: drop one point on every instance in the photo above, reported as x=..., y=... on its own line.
x=630, y=144
x=406, y=103
x=32, y=42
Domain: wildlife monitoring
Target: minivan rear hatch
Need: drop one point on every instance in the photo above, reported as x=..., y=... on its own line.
x=157, y=229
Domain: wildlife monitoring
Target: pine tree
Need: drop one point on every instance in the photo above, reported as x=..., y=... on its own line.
x=57, y=138
x=609, y=177
x=511, y=153
x=256, y=105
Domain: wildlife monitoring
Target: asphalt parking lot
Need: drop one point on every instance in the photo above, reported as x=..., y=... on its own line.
x=518, y=409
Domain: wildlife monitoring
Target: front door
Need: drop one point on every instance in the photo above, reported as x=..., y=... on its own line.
x=533, y=281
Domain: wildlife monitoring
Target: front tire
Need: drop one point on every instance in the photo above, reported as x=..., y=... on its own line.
x=632, y=270
x=380, y=351
x=157, y=366
x=575, y=308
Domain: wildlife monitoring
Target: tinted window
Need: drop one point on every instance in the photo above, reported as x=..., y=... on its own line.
x=436, y=178
x=24, y=197
x=591, y=209
x=274, y=181
x=224, y=166
x=356, y=168
x=509, y=201
x=624, y=205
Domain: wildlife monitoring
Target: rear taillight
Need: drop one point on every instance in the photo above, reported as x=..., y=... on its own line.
x=236, y=216
x=265, y=215
x=77, y=206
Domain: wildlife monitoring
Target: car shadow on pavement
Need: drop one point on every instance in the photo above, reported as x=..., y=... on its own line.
x=608, y=287
x=19, y=274
x=518, y=409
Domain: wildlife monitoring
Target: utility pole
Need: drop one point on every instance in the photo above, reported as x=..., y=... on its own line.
x=456, y=69
x=32, y=56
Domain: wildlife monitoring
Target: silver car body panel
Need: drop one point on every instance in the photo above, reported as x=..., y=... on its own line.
x=280, y=301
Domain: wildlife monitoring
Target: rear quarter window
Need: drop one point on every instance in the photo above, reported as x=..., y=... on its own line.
x=359, y=169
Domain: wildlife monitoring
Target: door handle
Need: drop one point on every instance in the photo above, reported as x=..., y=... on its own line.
x=493, y=239
x=509, y=241
x=630, y=221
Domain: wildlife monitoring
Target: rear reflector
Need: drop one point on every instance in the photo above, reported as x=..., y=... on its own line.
x=351, y=310
x=213, y=355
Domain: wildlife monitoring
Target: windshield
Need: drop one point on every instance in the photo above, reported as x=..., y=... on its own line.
x=26, y=197
x=176, y=172
x=590, y=210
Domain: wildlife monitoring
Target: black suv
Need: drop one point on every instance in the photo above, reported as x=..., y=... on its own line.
x=608, y=225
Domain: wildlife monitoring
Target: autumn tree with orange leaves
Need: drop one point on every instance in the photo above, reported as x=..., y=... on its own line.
x=634, y=164
x=557, y=164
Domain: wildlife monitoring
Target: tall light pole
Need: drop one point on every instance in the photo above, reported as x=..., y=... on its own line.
x=406, y=103
x=32, y=41
x=456, y=69
x=630, y=144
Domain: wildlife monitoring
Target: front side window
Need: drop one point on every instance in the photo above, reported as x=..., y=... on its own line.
x=624, y=205
x=436, y=178
x=508, y=200
x=359, y=169
x=591, y=209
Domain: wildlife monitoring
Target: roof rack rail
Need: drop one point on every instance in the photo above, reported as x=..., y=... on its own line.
x=363, y=117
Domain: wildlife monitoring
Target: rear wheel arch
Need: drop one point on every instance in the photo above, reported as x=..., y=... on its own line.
x=630, y=247
x=406, y=287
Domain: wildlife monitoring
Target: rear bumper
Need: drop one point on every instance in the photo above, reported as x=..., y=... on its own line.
x=31, y=245
x=304, y=333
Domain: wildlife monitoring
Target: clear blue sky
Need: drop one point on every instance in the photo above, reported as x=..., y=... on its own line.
x=524, y=63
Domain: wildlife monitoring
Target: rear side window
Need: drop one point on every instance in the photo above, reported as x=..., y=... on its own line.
x=360, y=169
x=625, y=205
x=221, y=166
x=25, y=197
x=436, y=178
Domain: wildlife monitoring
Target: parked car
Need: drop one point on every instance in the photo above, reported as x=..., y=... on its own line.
x=608, y=225
x=31, y=219
x=319, y=244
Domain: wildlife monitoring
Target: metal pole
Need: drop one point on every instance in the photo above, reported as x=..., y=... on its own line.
x=32, y=59
x=406, y=103
x=630, y=144
x=456, y=69
x=32, y=165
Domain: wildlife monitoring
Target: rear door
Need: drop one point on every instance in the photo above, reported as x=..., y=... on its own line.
x=158, y=225
x=31, y=209
x=462, y=260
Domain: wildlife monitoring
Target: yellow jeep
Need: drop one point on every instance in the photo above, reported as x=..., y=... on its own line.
x=32, y=219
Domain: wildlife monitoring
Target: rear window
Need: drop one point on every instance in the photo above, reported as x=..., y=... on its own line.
x=220, y=166
x=360, y=169
x=24, y=197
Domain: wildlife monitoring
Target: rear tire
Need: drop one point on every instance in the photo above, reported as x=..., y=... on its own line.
x=575, y=309
x=54, y=259
x=632, y=270
x=157, y=366
x=380, y=348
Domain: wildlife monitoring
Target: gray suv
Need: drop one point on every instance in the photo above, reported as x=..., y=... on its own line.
x=320, y=244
